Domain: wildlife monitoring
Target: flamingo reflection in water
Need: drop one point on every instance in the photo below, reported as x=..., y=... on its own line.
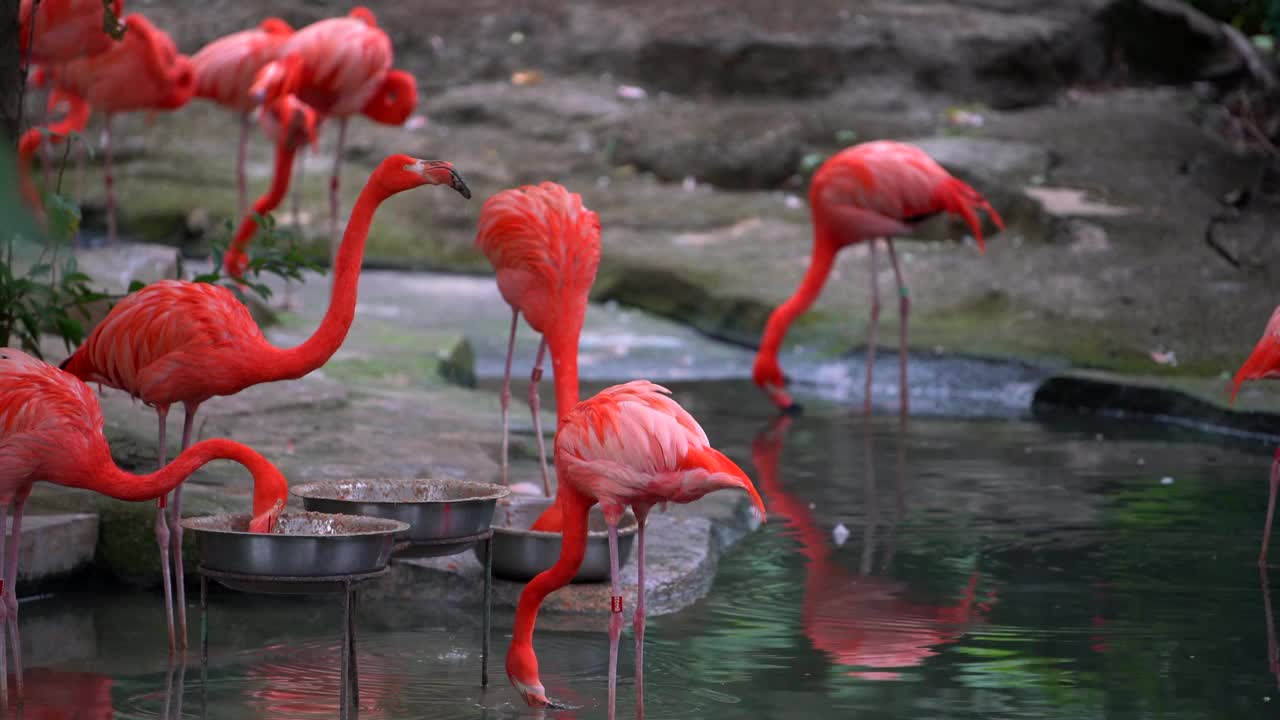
x=66, y=695
x=860, y=620
x=291, y=684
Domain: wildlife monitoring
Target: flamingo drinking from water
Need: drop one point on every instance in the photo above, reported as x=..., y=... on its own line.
x=342, y=67
x=869, y=191
x=185, y=342
x=226, y=68
x=51, y=430
x=1264, y=362
x=544, y=247
x=629, y=444
x=142, y=72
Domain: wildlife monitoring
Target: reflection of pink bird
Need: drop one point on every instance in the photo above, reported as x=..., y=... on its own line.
x=859, y=620
x=51, y=430
x=184, y=342
x=65, y=29
x=73, y=121
x=869, y=191
x=142, y=72
x=544, y=247
x=225, y=69
x=66, y=695
x=290, y=124
x=631, y=445
x=1263, y=363
x=344, y=67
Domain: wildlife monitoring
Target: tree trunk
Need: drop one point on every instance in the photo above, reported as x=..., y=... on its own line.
x=11, y=81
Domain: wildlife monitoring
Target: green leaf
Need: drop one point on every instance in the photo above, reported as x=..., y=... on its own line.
x=135, y=286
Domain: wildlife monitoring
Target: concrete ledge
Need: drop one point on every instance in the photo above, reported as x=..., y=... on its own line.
x=55, y=546
x=683, y=550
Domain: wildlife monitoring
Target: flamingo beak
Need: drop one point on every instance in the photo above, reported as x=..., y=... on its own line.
x=457, y=183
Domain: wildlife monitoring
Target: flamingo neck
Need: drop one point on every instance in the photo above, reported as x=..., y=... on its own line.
x=236, y=261
x=298, y=361
x=573, y=548
x=563, y=344
x=824, y=255
x=102, y=475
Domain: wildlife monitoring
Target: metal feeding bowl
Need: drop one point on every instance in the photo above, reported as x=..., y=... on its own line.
x=520, y=553
x=303, y=545
x=435, y=510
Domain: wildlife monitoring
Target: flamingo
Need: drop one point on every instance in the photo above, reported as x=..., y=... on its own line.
x=185, y=342
x=51, y=430
x=1263, y=363
x=342, y=66
x=859, y=620
x=226, y=67
x=74, y=120
x=64, y=29
x=862, y=193
x=291, y=125
x=142, y=72
x=544, y=247
x=629, y=444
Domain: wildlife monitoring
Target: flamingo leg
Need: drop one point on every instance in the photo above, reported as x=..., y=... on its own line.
x=295, y=200
x=11, y=585
x=1273, y=649
x=1271, y=509
x=904, y=309
x=615, y=616
x=109, y=179
x=637, y=622
x=175, y=525
x=535, y=406
x=242, y=192
x=162, y=537
x=334, y=236
x=873, y=324
x=505, y=396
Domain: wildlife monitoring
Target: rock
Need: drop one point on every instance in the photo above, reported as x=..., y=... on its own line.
x=114, y=267
x=1168, y=41
x=739, y=148
x=551, y=109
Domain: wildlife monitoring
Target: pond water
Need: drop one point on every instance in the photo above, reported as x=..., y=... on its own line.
x=1025, y=568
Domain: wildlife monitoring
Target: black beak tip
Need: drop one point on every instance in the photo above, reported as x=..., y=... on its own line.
x=793, y=410
x=461, y=186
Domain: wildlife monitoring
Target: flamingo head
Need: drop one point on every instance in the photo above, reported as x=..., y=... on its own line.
x=275, y=26
x=364, y=15
x=266, y=522
x=522, y=671
x=767, y=374
x=270, y=491
x=398, y=173
x=182, y=86
x=296, y=120
x=395, y=100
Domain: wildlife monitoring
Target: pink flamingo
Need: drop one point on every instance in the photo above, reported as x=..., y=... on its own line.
x=185, y=342
x=544, y=247
x=226, y=68
x=51, y=430
x=1263, y=363
x=341, y=67
x=64, y=29
x=869, y=191
x=142, y=72
x=631, y=445
x=291, y=125
x=74, y=120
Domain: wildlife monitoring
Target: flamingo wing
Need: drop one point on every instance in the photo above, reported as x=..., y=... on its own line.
x=38, y=406
x=171, y=341
x=225, y=68
x=345, y=61
x=1264, y=361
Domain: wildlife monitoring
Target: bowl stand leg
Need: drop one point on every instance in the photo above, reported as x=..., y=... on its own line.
x=488, y=600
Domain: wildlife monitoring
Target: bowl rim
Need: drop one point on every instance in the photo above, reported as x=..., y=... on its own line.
x=495, y=491
x=627, y=527
x=197, y=524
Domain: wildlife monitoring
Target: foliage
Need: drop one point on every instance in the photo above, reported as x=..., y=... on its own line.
x=276, y=251
x=1252, y=17
x=51, y=295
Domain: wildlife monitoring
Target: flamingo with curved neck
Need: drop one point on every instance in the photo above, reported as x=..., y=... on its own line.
x=184, y=342
x=861, y=194
x=544, y=246
x=51, y=430
x=74, y=120
x=633, y=445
